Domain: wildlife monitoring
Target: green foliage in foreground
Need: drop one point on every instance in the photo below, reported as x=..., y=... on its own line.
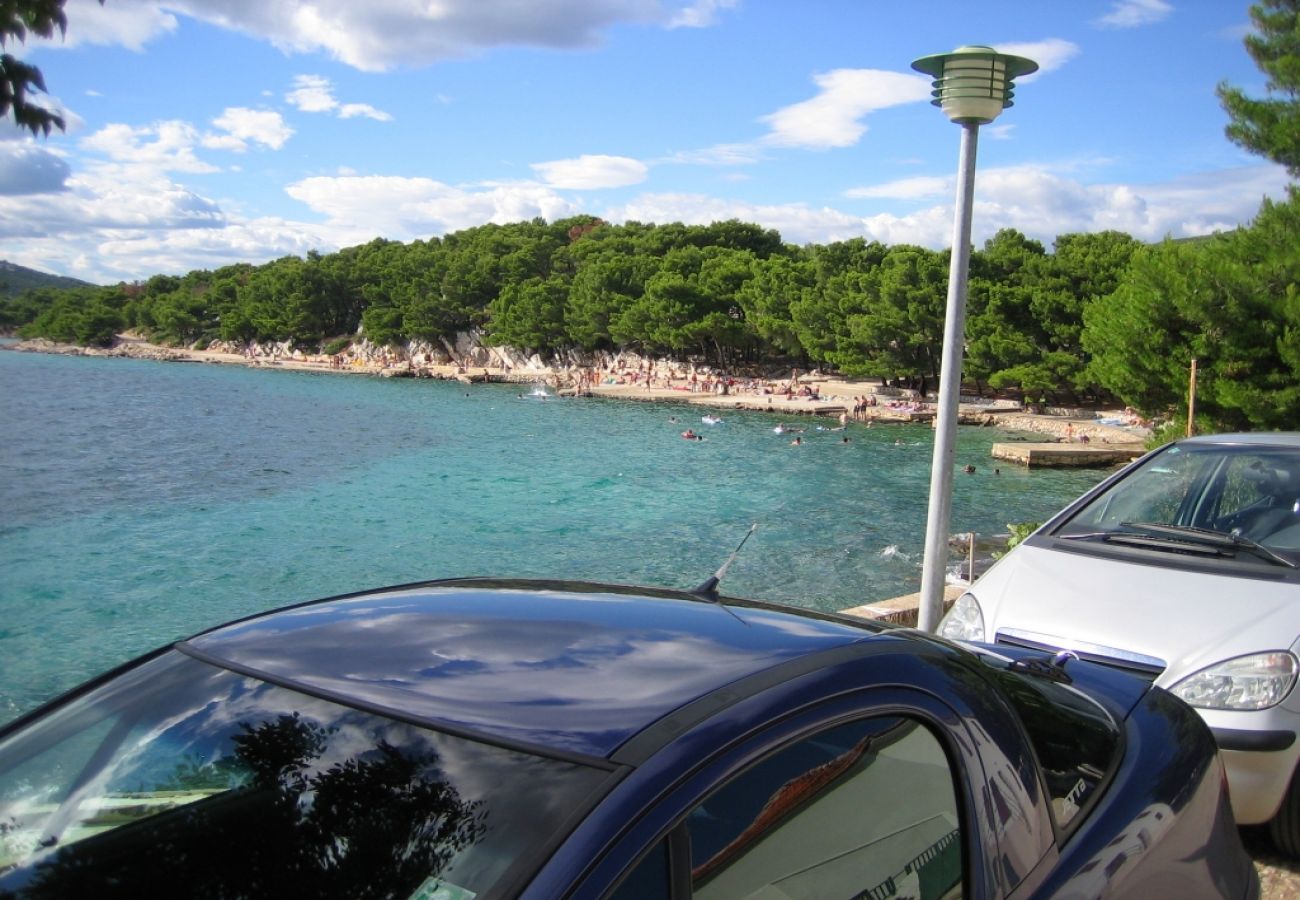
x=1018, y=531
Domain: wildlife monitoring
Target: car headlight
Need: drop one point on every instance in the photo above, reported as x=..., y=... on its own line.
x=1247, y=682
x=965, y=621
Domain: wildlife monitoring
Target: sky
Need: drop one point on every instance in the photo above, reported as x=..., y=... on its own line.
x=208, y=132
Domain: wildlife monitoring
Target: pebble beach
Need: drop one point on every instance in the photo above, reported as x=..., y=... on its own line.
x=800, y=394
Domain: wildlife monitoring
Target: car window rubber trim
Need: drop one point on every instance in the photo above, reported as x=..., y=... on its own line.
x=642, y=745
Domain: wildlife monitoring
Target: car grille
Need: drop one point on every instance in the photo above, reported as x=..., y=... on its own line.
x=1147, y=668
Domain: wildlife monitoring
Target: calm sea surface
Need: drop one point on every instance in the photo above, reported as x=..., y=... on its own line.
x=142, y=501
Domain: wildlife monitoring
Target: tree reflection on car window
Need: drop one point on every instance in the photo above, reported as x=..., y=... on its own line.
x=184, y=778
x=310, y=821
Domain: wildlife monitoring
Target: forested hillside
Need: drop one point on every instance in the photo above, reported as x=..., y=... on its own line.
x=727, y=294
x=1096, y=316
x=15, y=279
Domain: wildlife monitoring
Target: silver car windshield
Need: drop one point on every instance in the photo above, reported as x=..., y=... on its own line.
x=1199, y=494
x=180, y=773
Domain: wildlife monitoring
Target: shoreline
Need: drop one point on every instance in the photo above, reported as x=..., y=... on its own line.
x=827, y=396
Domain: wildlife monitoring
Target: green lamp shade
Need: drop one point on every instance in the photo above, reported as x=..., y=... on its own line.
x=973, y=84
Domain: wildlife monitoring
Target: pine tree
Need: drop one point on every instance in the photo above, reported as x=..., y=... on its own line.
x=1270, y=126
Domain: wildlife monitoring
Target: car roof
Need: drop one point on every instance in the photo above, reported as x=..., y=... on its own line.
x=1266, y=438
x=570, y=667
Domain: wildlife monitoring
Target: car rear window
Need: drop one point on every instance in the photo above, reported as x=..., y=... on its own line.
x=178, y=775
x=1075, y=740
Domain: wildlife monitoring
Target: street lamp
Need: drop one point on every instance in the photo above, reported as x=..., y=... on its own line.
x=972, y=85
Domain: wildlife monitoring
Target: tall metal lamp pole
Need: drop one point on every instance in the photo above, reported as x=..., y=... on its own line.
x=972, y=85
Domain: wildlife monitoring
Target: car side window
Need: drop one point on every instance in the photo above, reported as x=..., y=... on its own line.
x=650, y=880
x=1075, y=740
x=863, y=809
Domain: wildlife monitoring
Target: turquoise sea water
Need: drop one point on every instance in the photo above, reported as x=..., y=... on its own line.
x=143, y=501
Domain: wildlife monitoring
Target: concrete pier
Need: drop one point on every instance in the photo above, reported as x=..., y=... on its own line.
x=903, y=610
x=1057, y=454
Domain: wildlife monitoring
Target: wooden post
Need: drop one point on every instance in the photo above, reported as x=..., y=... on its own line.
x=1191, y=401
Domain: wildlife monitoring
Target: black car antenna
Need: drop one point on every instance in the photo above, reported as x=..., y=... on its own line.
x=709, y=589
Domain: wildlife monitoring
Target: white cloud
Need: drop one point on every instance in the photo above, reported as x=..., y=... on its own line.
x=118, y=22
x=114, y=222
x=700, y=14
x=1135, y=13
x=243, y=126
x=107, y=227
x=315, y=94
x=591, y=172
x=1043, y=203
x=109, y=199
x=26, y=168
x=312, y=93
x=185, y=249
x=797, y=222
x=353, y=110
x=358, y=208
x=377, y=36
x=1039, y=203
x=1050, y=54
x=718, y=155
x=128, y=254
x=904, y=189
x=163, y=146
x=833, y=117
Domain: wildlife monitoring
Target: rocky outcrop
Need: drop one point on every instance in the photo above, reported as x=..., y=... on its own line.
x=134, y=349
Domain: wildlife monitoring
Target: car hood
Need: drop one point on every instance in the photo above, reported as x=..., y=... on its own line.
x=1188, y=620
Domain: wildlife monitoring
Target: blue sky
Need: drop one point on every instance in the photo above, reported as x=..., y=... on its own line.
x=206, y=132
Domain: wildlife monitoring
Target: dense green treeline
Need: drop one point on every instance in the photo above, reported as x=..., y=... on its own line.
x=1100, y=315
x=727, y=294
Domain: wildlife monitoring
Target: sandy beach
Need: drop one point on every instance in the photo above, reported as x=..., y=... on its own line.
x=801, y=394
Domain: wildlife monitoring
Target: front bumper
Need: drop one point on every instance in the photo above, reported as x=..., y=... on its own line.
x=1259, y=764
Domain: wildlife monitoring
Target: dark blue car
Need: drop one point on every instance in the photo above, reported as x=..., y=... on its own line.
x=476, y=738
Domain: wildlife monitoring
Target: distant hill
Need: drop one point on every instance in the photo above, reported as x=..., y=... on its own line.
x=15, y=279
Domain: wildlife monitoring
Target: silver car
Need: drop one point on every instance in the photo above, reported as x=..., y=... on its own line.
x=1185, y=569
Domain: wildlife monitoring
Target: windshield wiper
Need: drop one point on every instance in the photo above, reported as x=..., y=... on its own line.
x=1206, y=538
